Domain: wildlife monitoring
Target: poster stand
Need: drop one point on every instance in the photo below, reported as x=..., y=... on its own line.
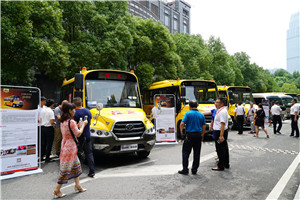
x=164, y=118
x=19, y=131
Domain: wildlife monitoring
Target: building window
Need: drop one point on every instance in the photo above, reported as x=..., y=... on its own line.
x=185, y=28
x=175, y=25
x=185, y=12
x=154, y=9
x=167, y=19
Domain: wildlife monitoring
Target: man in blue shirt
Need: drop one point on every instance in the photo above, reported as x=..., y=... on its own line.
x=195, y=129
x=81, y=113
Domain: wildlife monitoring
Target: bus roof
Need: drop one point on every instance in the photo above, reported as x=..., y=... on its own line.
x=225, y=87
x=85, y=72
x=170, y=83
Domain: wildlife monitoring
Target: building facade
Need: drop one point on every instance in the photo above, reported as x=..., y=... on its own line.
x=174, y=15
x=293, y=44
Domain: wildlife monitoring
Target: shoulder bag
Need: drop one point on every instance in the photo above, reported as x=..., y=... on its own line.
x=80, y=145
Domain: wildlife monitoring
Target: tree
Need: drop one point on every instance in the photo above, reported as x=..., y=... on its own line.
x=290, y=88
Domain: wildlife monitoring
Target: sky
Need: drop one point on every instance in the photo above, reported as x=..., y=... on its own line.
x=256, y=27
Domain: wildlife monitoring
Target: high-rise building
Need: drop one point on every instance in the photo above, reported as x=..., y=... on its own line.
x=174, y=15
x=293, y=44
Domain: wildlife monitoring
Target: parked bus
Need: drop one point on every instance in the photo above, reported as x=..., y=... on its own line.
x=234, y=95
x=205, y=92
x=268, y=98
x=13, y=101
x=286, y=102
x=118, y=124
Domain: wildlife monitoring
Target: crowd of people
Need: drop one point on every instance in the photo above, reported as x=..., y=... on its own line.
x=66, y=128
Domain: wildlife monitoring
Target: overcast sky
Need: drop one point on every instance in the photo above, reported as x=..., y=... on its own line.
x=257, y=27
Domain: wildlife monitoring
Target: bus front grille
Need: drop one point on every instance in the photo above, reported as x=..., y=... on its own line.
x=129, y=129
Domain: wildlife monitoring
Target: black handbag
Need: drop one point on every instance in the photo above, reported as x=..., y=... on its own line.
x=80, y=145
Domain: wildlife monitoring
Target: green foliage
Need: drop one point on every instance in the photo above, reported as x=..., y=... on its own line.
x=55, y=39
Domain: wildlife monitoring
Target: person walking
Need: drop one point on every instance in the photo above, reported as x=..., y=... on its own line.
x=195, y=129
x=250, y=117
x=69, y=163
x=294, y=118
x=259, y=117
x=239, y=117
x=47, y=130
x=85, y=139
x=57, y=132
x=220, y=127
x=276, y=118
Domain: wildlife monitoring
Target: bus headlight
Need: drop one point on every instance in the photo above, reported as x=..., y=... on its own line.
x=150, y=131
x=100, y=133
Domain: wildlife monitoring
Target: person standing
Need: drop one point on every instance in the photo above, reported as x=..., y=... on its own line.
x=294, y=118
x=195, y=129
x=259, y=117
x=69, y=163
x=86, y=136
x=250, y=117
x=221, y=134
x=39, y=136
x=47, y=123
x=57, y=132
x=276, y=118
x=239, y=117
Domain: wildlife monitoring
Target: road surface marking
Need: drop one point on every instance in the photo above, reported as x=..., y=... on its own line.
x=277, y=190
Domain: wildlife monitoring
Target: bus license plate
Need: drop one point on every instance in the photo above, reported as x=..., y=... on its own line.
x=128, y=147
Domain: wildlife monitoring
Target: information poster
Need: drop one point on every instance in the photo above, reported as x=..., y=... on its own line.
x=164, y=113
x=19, y=118
x=266, y=109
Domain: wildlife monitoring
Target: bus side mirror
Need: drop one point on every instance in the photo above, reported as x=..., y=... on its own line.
x=78, y=81
x=183, y=91
x=99, y=106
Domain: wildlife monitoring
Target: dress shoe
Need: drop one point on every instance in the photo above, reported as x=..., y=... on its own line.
x=296, y=137
x=49, y=160
x=291, y=135
x=183, y=172
x=227, y=166
x=217, y=169
x=91, y=175
x=194, y=173
x=278, y=132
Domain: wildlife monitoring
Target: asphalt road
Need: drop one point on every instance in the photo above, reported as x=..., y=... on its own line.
x=261, y=168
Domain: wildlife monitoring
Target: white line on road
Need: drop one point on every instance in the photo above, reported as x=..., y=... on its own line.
x=277, y=190
x=138, y=170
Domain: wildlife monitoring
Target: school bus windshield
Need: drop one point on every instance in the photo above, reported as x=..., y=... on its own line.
x=204, y=93
x=112, y=93
x=243, y=95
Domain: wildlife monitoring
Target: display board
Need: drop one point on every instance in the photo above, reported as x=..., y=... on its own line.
x=266, y=109
x=19, y=129
x=164, y=115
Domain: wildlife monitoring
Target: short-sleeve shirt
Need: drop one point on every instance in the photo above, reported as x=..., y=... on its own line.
x=46, y=115
x=239, y=110
x=194, y=121
x=221, y=116
x=294, y=109
x=81, y=113
x=251, y=111
x=275, y=110
x=57, y=111
x=213, y=113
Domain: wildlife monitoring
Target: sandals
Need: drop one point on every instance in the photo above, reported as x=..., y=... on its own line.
x=56, y=194
x=79, y=189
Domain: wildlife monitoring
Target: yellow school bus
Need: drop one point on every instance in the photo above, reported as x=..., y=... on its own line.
x=118, y=124
x=205, y=92
x=234, y=95
x=13, y=101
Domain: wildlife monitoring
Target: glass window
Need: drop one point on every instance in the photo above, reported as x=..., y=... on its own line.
x=175, y=25
x=167, y=19
x=185, y=28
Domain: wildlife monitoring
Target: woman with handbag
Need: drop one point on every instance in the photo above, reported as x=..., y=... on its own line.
x=69, y=163
x=259, y=117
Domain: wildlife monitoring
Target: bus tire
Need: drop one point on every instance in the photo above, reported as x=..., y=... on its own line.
x=143, y=154
x=14, y=105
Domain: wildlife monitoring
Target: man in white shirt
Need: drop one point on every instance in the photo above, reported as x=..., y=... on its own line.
x=239, y=117
x=250, y=117
x=220, y=127
x=275, y=116
x=294, y=118
x=47, y=122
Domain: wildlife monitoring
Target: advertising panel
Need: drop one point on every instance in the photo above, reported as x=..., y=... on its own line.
x=164, y=113
x=19, y=122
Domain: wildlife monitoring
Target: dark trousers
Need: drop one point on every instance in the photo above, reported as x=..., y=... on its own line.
x=222, y=150
x=277, y=119
x=240, y=122
x=89, y=155
x=47, y=141
x=192, y=141
x=294, y=125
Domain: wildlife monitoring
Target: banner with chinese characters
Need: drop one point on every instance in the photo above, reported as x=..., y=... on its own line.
x=164, y=113
x=19, y=123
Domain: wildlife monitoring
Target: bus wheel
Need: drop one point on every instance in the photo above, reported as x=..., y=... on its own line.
x=14, y=105
x=143, y=154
